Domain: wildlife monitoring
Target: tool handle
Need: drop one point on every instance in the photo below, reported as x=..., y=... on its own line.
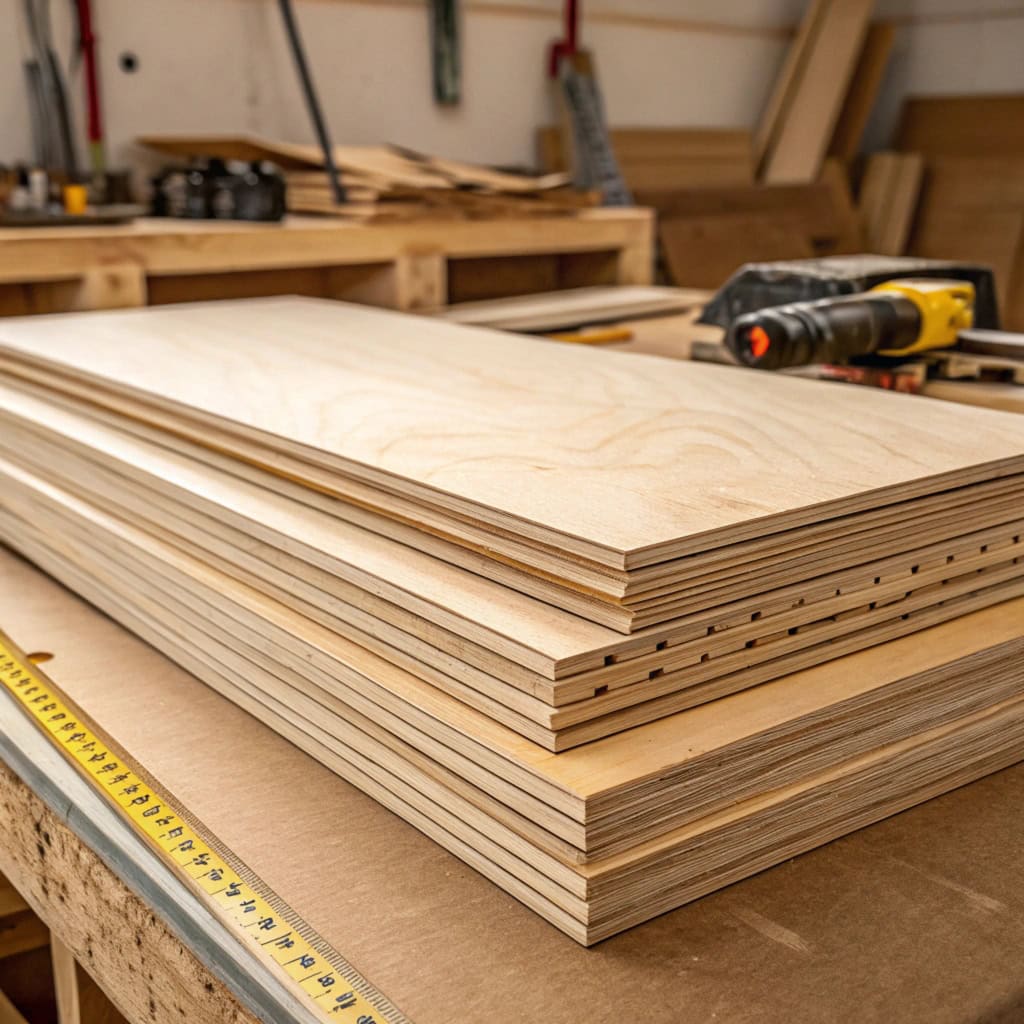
x=830, y=330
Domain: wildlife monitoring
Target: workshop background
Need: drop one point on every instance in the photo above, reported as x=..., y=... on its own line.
x=663, y=63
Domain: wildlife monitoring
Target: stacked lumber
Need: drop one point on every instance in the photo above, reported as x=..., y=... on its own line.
x=726, y=197
x=664, y=158
x=524, y=595
x=971, y=202
x=385, y=182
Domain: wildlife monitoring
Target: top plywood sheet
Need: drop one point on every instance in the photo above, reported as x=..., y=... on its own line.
x=628, y=458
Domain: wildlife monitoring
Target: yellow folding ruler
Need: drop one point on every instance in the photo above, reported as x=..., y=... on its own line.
x=333, y=987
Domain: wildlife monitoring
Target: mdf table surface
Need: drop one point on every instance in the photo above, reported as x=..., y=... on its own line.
x=918, y=918
x=422, y=264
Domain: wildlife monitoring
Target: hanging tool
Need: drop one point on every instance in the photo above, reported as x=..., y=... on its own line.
x=897, y=318
x=94, y=123
x=444, y=51
x=49, y=94
x=312, y=102
x=593, y=159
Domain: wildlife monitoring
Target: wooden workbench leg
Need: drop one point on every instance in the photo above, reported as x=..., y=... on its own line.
x=110, y=286
x=636, y=259
x=65, y=983
x=421, y=281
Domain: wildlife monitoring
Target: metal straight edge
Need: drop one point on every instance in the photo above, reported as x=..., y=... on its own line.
x=57, y=783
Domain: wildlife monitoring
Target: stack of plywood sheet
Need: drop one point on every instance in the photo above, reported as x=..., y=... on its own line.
x=524, y=594
x=385, y=182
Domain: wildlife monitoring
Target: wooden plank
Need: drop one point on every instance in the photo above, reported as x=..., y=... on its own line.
x=889, y=200
x=786, y=85
x=162, y=246
x=809, y=118
x=977, y=125
x=571, y=307
x=865, y=85
x=65, y=983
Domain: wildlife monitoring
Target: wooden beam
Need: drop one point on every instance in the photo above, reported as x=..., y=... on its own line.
x=65, y=983
x=864, y=89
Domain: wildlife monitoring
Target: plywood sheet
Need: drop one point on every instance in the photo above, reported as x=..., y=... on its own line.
x=379, y=425
x=318, y=388
x=571, y=307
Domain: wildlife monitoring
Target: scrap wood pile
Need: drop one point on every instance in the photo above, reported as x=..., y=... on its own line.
x=384, y=183
x=615, y=631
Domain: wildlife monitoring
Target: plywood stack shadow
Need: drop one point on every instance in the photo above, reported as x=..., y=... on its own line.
x=524, y=595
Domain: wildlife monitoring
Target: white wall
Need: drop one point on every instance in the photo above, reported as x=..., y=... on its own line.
x=221, y=65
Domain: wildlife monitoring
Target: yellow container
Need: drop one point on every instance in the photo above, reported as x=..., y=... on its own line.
x=76, y=198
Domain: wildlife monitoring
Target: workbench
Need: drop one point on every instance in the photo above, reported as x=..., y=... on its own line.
x=415, y=265
x=917, y=918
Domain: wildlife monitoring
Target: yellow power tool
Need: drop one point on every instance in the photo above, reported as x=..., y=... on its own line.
x=898, y=318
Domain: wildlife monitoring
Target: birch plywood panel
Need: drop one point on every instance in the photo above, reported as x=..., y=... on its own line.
x=618, y=458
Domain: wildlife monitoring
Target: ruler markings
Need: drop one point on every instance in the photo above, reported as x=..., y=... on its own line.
x=273, y=929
